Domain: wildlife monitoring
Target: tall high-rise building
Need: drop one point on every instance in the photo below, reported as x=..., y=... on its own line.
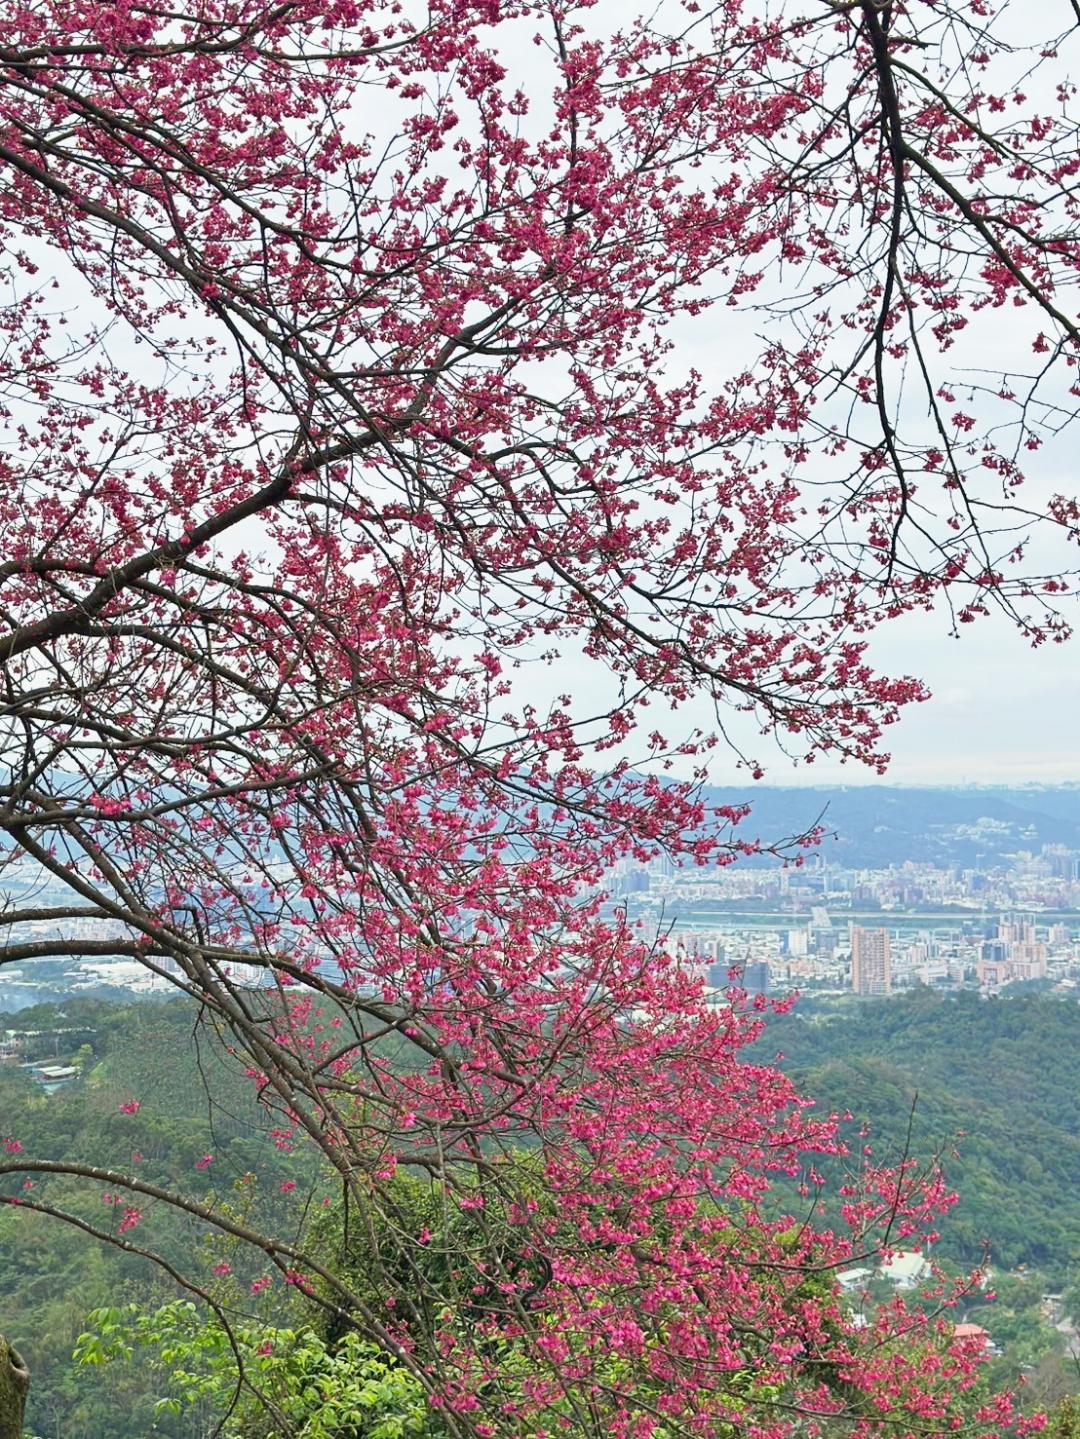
x=755, y=976
x=871, y=961
x=1016, y=929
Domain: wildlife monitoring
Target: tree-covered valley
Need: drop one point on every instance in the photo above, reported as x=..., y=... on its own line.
x=148, y=1100
x=988, y=1086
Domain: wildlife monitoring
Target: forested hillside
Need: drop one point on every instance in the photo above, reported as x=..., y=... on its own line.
x=995, y=1081
x=196, y=1125
x=995, y=1086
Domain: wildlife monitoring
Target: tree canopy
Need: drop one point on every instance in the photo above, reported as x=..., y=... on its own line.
x=363, y=364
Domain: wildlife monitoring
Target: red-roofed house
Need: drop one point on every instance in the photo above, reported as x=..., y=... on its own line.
x=972, y=1331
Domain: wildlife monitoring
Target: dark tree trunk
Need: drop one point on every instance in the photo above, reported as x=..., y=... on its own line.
x=14, y=1382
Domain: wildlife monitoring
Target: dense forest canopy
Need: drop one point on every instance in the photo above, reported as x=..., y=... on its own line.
x=994, y=1080
x=993, y=1086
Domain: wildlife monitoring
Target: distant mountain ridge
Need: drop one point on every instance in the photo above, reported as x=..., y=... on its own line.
x=873, y=826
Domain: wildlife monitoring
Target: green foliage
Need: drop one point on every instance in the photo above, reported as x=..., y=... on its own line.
x=993, y=1085
x=278, y=1383
x=270, y=1383
x=1006, y=1072
x=1064, y=1421
x=422, y=1243
x=464, y=1249
x=193, y=1101
x=996, y=1084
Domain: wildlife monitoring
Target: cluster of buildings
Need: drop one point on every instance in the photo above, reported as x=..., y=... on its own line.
x=1011, y=949
x=906, y=1269
x=871, y=932
x=875, y=960
x=38, y=1051
x=34, y=981
x=817, y=926
x=1025, y=880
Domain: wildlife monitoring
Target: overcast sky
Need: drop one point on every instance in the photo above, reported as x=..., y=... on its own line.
x=1000, y=710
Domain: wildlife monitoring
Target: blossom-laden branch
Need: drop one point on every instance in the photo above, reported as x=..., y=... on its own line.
x=331, y=422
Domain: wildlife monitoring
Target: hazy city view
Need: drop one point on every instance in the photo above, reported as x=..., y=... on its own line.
x=871, y=931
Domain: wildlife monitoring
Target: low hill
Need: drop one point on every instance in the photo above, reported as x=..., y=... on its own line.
x=994, y=1084
x=873, y=826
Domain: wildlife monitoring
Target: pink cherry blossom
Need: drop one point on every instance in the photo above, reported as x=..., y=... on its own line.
x=432, y=453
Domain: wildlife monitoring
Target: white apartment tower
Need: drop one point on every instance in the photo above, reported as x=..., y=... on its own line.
x=871, y=961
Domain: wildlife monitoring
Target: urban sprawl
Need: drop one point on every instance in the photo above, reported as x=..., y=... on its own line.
x=871, y=932
x=816, y=926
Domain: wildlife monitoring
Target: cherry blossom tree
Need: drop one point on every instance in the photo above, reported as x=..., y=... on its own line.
x=368, y=368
